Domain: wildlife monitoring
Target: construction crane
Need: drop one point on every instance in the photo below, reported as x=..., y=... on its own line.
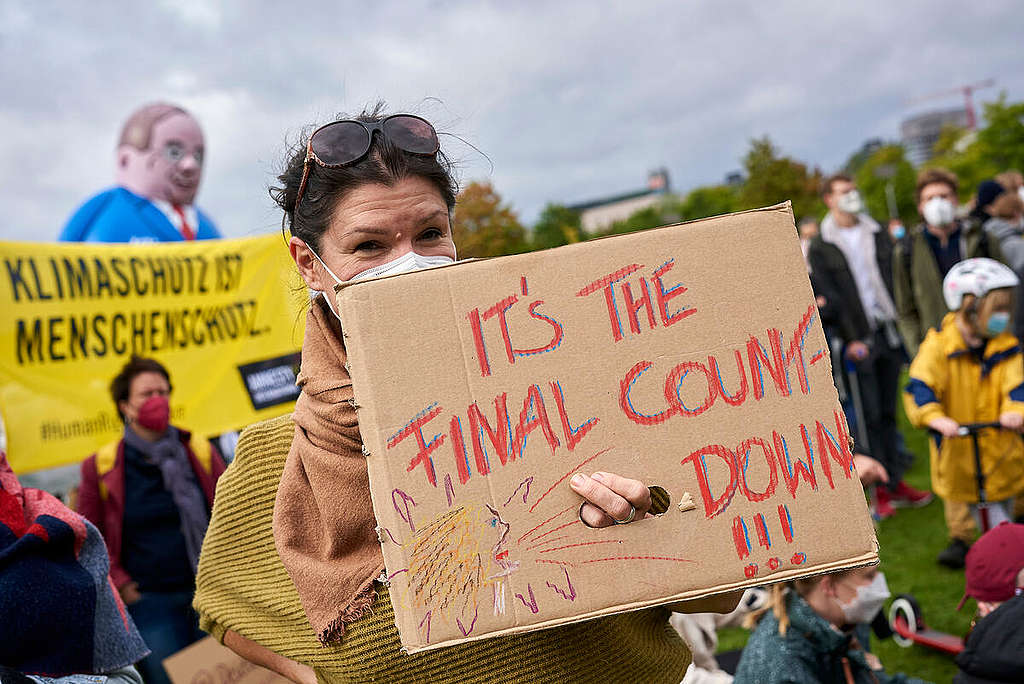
x=967, y=91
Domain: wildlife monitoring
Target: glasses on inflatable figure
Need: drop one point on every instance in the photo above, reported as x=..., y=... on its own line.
x=345, y=142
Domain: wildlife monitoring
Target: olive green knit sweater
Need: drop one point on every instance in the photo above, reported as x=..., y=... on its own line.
x=242, y=586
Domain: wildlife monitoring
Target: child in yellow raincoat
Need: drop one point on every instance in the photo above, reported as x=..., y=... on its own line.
x=970, y=371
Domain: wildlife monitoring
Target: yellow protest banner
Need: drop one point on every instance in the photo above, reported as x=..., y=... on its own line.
x=222, y=315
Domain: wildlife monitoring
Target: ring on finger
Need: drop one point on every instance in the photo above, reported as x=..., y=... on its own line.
x=628, y=518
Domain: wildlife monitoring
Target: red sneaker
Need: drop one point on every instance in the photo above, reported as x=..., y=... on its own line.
x=905, y=496
x=882, y=508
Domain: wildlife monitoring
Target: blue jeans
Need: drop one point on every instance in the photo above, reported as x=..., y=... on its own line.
x=168, y=624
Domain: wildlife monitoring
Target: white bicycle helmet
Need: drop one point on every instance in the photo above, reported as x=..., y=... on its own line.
x=977, y=277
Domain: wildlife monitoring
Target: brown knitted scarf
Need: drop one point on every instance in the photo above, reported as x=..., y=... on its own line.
x=324, y=527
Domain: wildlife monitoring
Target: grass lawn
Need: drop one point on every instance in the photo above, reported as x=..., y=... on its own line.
x=910, y=541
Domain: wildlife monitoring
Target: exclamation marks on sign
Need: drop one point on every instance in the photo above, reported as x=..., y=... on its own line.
x=741, y=539
x=787, y=522
x=763, y=537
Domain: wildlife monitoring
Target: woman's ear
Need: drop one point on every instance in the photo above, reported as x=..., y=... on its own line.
x=307, y=264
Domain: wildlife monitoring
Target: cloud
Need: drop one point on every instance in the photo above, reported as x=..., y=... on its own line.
x=568, y=101
x=200, y=14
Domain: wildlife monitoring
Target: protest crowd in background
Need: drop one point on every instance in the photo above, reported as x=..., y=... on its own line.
x=940, y=295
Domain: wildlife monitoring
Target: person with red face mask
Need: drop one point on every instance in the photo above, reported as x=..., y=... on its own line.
x=150, y=494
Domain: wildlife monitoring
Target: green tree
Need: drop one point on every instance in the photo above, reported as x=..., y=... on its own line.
x=888, y=165
x=1002, y=138
x=957, y=150
x=709, y=200
x=556, y=226
x=996, y=147
x=772, y=178
x=483, y=226
x=858, y=159
x=649, y=217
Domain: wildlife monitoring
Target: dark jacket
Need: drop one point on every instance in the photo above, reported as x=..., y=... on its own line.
x=994, y=651
x=811, y=652
x=101, y=492
x=834, y=281
x=917, y=281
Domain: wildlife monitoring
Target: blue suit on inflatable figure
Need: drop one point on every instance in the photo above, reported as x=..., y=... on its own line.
x=159, y=164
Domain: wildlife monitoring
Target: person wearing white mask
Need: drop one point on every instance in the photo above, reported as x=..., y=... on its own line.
x=920, y=262
x=852, y=266
x=806, y=634
x=291, y=566
x=923, y=258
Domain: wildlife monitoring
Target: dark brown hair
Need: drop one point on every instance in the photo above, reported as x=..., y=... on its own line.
x=826, y=185
x=121, y=385
x=929, y=176
x=385, y=164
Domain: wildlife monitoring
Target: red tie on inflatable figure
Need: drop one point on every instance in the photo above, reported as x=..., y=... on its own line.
x=186, y=230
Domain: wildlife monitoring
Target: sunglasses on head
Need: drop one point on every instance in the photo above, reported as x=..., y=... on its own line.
x=348, y=141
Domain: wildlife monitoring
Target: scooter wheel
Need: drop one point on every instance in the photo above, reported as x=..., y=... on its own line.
x=906, y=606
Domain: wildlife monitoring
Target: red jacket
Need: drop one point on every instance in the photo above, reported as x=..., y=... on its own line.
x=101, y=492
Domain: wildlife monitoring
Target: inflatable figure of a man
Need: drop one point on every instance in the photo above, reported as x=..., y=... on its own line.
x=159, y=164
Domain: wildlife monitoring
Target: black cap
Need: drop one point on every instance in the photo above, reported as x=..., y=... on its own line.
x=988, y=190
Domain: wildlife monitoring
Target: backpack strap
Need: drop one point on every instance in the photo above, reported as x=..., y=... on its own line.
x=106, y=457
x=203, y=452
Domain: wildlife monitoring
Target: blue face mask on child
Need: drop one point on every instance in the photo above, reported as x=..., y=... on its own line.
x=998, y=322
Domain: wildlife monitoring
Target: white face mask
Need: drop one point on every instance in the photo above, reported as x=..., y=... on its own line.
x=850, y=202
x=938, y=211
x=410, y=261
x=869, y=600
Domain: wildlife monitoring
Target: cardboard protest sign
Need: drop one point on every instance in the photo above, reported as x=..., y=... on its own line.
x=219, y=314
x=207, y=662
x=690, y=357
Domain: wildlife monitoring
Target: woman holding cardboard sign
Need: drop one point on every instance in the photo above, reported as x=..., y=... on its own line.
x=295, y=586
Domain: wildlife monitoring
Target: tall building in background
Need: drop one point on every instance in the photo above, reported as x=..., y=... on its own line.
x=921, y=132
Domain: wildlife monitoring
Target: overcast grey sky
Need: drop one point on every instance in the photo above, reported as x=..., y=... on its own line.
x=570, y=100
